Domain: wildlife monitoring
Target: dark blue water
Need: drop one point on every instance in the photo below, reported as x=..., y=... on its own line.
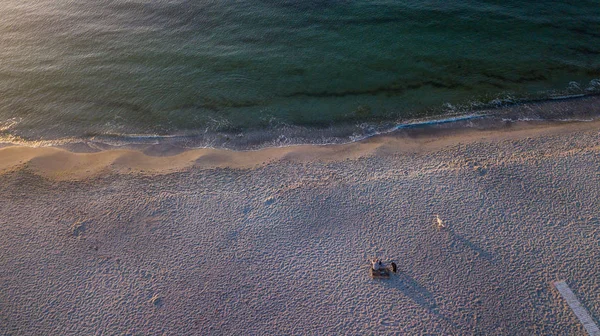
x=268, y=71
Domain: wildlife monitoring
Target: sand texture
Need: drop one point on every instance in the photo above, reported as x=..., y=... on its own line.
x=278, y=243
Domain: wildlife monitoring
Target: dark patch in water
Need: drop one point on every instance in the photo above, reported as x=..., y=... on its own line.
x=584, y=31
x=593, y=72
x=492, y=83
x=218, y=105
x=121, y=105
x=127, y=106
x=306, y=5
x=530, y=76
x=586, y=50
x=393, y=89
x=369, y=21
x=591, y=28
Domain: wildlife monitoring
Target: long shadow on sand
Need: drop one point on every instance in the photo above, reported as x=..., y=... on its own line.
x=474, y=247
x=416, y=292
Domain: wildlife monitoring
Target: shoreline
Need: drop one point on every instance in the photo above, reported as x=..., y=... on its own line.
x=75, y=163
x=568, y=108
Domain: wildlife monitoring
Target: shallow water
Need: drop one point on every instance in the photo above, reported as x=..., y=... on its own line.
x=328, y=69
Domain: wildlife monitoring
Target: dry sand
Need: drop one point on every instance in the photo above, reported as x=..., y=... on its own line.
x=277, y=241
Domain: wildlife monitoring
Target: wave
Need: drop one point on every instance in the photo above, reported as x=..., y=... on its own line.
x=564, y=108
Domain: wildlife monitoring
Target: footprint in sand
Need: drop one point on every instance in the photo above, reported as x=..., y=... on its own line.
x=157, y=301
x=481, y=170
x=78, y=228
x=270, y=201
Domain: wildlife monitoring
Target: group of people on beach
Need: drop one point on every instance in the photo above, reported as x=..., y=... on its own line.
x=378, y=265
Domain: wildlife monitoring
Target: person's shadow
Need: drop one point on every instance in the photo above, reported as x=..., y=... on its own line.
x=412, y=289
x=408, y=286
x=474, y=247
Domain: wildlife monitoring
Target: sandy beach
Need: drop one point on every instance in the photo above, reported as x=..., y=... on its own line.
x=277, y=241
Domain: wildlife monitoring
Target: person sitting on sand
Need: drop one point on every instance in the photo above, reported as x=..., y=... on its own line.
x=377, y=265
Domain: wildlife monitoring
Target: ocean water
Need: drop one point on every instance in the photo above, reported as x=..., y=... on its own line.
x=266, y=72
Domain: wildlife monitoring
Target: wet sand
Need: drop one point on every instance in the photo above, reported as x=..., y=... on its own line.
x=277, y=241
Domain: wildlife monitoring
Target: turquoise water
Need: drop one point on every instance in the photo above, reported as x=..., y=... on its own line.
x=219, y=69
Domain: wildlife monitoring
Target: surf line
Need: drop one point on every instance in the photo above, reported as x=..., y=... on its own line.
x=581, y=313
x=438, y=121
